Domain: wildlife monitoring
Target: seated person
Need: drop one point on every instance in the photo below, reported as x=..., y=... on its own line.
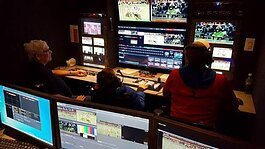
x=40, y=78
x=199, y=95
x=109, y=90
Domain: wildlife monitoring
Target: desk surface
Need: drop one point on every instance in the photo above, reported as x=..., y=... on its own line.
x=248, y=105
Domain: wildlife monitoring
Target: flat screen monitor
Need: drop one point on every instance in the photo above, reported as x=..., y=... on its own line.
x=153, y=10
x=172, y=134
x=221, y=64
x=26, y=113
x=169, y=11
x=216, y=32
x=87, y=40
x=160, y=48
x=134, y=10
x=222, y=52
x=91, y=26
x=82, y=127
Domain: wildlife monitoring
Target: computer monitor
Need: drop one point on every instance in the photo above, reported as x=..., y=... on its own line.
x=159, y=48
x=169, y=11
x=28, y=113
x=100, y=127
x=215, y=31
x=173, y=134
x=137, y=10
x=91, y=26
x=222, y=52
x=153, y=11
x=221, y=64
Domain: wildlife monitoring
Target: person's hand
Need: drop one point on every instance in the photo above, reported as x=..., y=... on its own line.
x=80, y=73
x=80, y=98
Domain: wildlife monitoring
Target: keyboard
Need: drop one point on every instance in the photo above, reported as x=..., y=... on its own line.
x=15, y=144
x=89, y=72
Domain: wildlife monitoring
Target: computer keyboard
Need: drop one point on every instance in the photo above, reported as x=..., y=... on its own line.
x=151, y=85
x=89, y=72
x=14, y=144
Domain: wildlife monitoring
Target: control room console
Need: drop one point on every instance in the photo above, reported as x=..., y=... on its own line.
x=128, y=76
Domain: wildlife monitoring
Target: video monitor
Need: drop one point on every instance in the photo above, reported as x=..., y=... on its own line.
x=134, y=10
x=222, y=52
x=91, y=26
x=93, y=56
x=172, y=134
x=216, y=32
x=169, y=11
x=27, y=113
x=87, y=40
x=98, y=41
x=87, y=49
x=221, y=64
x=160, y=48
x=82, y=127
x=153, y=10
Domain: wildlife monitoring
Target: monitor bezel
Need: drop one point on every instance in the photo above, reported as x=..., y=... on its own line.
x=12, y=132
x=109, y=108
x=200, y=134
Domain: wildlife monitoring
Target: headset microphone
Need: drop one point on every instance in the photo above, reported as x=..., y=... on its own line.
x=119, y=71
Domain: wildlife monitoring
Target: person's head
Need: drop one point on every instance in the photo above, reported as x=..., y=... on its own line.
x=107, y=80
x=39, y=51
x=198, y=53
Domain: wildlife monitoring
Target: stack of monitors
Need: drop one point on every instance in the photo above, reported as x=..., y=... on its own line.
x=221, y=34
x=82, y=127
x=92, y=42
x=153, y=10
x=27, y=113
x=160, y=48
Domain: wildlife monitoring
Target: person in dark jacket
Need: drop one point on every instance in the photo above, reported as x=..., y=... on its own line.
x=110, y=90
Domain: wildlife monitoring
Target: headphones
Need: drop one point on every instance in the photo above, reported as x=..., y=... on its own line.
x=208, y=56
x=108, y=80
x=202, y=46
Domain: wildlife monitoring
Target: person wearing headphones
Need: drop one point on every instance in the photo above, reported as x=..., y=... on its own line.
x=39, y=77
x=110, y=90
x=197, y=94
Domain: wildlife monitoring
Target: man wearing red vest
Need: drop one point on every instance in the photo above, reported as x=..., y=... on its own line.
x=197, y=93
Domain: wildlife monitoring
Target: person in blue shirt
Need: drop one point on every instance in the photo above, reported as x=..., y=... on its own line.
x=110, y=90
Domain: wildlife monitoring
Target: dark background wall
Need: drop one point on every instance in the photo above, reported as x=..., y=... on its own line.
x=49, y=20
